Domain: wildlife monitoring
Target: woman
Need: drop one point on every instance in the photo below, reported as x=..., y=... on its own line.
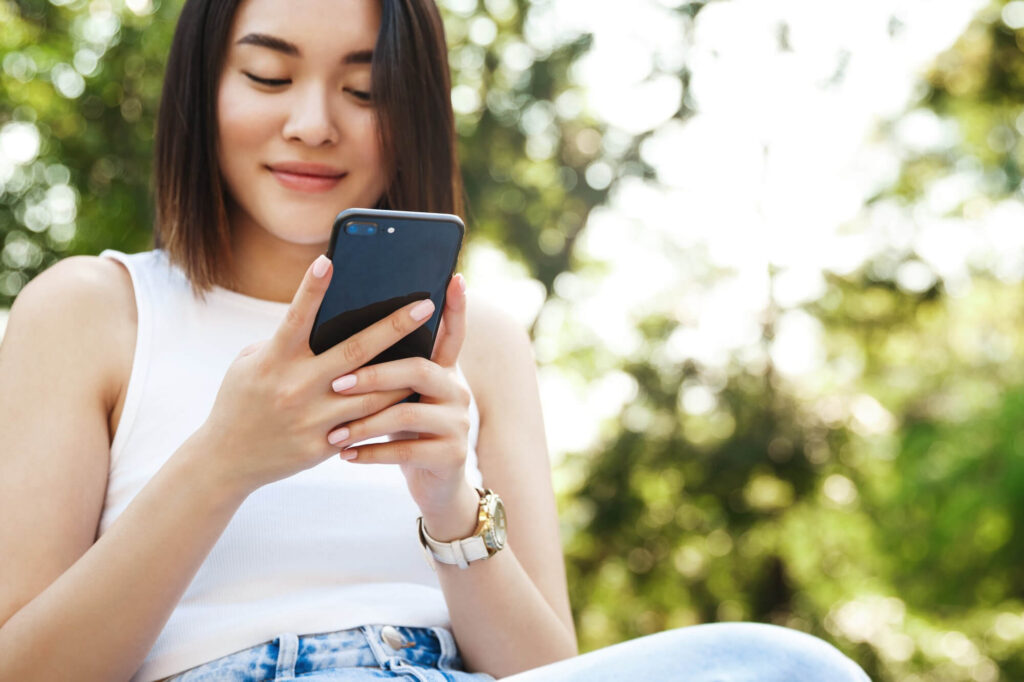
x=181, y=497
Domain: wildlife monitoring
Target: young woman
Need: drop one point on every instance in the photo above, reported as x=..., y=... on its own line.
x=179, y=493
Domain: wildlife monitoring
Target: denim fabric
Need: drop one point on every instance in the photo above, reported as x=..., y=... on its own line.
x=363, y=653
x=719, y=652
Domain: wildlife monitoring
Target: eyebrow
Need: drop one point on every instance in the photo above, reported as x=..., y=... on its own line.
x=292, y=50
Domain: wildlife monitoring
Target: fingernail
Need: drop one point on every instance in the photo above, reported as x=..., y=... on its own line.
x=422, y=310
x=348, y=455
x=461, y=282
x=320, y=265
x=347, y=381
x=337, y=435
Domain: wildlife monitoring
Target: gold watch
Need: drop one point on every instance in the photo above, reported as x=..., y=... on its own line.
x=486, y=540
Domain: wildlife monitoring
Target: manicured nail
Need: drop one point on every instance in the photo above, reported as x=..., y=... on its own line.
x=337, y=435
x=422, y=310
x=347, y=381
x=320, y=265
x=348, y=455
x=461, y=282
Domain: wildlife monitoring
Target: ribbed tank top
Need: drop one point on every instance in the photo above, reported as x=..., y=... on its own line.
x=330, y=548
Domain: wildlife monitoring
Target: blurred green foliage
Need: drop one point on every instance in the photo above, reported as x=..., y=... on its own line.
x=882, y=510
x=882, y=507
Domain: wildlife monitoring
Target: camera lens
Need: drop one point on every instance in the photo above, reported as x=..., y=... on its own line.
x=361, y=228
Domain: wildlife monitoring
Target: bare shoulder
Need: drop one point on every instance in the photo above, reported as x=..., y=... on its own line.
x=89, y=300
x=496, y=348
x=86, y=275
x=60, y=360
x=75, y=281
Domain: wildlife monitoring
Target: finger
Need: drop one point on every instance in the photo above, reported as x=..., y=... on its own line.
x=293, y=333
x=424, y=453
x=453, y=329
x=437, y=420
x=363, y=346
x=345, y=409
x=417, y=374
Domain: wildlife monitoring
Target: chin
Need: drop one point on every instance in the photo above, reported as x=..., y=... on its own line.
x=299, y=227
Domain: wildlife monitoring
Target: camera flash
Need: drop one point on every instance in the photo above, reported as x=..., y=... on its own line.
x=391, y=230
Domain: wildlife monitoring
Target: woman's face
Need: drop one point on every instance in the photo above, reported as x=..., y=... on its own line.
x=297, y=133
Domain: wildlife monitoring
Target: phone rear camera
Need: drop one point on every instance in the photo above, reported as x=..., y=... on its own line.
x=361, y=229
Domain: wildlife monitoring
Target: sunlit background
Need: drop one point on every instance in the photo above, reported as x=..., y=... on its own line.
x=770, y=253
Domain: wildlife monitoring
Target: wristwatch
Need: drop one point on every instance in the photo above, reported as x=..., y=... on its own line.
x=486, y=540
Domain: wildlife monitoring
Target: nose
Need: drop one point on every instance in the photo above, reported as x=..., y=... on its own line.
x=310, y=120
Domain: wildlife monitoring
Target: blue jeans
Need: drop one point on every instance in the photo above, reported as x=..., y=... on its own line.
x=720, y=652
x=368, y=652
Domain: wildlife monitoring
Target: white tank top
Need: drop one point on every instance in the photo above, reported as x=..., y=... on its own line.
x=330, y=548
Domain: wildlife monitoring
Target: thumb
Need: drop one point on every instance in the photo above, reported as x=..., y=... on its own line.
x=293, y=333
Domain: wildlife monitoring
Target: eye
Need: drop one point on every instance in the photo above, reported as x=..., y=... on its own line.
x=271, y=82
x=359, y=94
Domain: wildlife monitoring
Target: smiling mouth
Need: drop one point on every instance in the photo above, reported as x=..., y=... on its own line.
x=306, y=182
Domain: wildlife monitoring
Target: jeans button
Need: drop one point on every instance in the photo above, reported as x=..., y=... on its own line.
x=393, y=638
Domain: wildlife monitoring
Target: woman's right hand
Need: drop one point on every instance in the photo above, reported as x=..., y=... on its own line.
x=276, y=404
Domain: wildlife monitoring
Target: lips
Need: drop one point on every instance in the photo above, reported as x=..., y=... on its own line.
x=303, y=168
x=306, y=177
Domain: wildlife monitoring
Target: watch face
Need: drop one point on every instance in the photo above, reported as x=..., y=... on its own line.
x=496, y=539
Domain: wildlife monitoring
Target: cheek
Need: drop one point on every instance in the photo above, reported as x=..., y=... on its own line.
x=366, y=141
x=240, y=124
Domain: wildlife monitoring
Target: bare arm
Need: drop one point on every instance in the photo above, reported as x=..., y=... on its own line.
x=510, y=612
x=100, y=618
x=70, y=608
x=73, y=609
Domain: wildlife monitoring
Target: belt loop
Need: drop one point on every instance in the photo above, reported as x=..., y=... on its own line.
x=449, y=651
x=372, y=634
x=287, y=653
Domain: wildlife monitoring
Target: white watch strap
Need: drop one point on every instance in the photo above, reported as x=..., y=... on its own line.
x=459, y=552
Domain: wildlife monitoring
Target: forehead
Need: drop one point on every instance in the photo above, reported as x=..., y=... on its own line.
x=317, y=27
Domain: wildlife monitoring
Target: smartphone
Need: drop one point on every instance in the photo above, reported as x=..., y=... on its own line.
x=384, y=260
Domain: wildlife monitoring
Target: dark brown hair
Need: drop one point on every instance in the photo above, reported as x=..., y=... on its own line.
x=411, y=90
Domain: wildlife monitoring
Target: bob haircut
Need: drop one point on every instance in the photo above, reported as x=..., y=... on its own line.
x=410, y=89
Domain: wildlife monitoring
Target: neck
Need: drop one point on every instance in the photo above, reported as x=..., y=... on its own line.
x=266, y=266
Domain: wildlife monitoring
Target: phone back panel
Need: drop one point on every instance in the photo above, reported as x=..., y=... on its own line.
x=409, y=257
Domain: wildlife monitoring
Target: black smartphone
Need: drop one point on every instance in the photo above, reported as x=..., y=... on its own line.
x=384, y=260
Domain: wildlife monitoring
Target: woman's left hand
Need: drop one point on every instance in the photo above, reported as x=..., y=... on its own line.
x=433, y=459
